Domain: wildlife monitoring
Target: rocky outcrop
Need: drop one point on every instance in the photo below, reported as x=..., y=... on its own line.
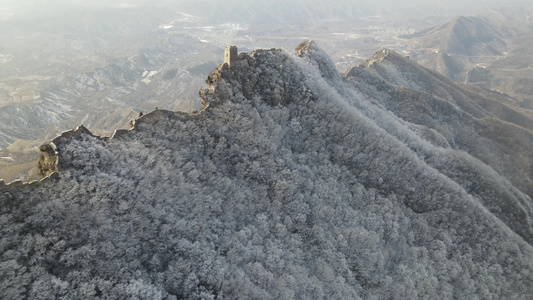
x=310, y=52
x=48, y=160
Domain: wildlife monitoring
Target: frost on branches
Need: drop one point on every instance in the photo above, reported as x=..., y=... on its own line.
x=292, y=184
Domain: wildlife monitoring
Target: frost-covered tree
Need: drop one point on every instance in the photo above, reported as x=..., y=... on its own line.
x=291, y=183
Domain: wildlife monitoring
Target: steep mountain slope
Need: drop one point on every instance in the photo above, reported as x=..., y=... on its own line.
x=511, y=73
x=491, y=50
x=455, y=46
x=291, y=183
x=492, y=128
x=467, y=36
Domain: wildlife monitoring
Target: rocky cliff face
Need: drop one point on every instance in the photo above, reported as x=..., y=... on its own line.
x=292, y=182
x=47, y=161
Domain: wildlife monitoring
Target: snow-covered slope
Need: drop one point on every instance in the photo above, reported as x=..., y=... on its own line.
x=291, y=183
x=490, y=127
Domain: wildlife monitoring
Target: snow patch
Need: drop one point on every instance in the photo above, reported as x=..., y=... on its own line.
x=5, y=58
x=147, y=75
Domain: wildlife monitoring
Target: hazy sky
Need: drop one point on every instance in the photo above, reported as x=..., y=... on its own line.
x=32, y=7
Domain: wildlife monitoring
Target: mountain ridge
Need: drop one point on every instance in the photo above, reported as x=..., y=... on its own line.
x=290, y=183
x=490, y=50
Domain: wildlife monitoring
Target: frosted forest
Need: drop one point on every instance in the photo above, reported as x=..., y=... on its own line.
x=294, y=182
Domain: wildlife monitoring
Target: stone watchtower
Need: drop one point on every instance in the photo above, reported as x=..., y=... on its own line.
x=230, y=55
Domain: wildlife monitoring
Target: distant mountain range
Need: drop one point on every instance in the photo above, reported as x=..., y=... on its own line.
x=492, y=50
x=293, y=181
x=458, y=44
